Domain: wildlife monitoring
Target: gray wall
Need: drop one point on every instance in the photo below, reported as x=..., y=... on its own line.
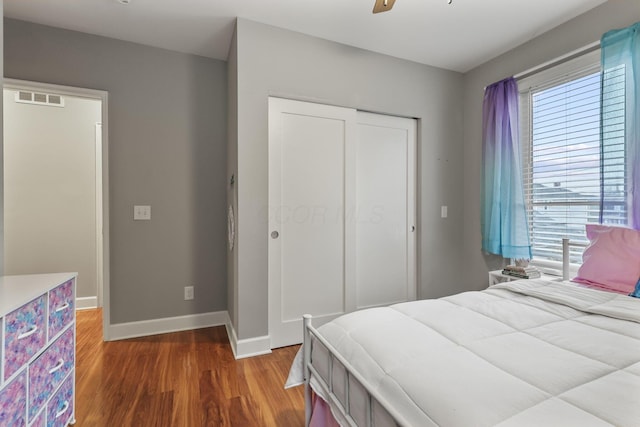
x=167, y=149
x=232, y=170
x=272, y=61
x=579, y=32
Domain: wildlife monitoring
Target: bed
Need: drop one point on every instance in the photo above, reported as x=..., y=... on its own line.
x=524, y=353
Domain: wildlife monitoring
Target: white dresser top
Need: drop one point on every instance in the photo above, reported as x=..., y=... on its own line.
x=15, y=291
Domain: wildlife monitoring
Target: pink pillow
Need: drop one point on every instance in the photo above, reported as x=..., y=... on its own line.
x=612, y=259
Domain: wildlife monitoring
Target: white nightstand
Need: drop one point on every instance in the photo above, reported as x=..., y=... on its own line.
x=496, y=277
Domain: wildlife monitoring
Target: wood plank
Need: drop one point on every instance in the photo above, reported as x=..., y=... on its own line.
x=186, y=379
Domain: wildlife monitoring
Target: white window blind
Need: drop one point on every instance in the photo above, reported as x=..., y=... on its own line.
x=562, y=156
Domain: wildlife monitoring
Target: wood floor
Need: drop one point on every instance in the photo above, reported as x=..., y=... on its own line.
x=183, y=379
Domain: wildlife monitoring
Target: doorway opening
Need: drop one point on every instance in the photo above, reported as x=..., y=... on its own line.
x=56, y=187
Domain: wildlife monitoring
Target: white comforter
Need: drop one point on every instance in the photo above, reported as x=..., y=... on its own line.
x=525, y=353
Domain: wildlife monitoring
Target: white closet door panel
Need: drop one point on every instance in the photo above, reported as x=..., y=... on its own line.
x=307, y=190
x=381, y=226
x=342, y=213
x=312, y=229
x=385, y=210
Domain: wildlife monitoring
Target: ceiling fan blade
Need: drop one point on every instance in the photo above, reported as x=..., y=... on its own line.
x=383, y=5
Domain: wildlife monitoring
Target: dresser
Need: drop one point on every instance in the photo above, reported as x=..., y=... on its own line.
x=37, y=355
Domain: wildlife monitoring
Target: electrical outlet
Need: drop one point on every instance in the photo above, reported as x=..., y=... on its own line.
x=141, y=213
x=188, y=293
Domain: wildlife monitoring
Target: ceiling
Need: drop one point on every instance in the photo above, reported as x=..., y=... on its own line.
x=457, y=37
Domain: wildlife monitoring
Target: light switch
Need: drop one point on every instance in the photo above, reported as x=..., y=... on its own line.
x=141, y=212
x=443, y=211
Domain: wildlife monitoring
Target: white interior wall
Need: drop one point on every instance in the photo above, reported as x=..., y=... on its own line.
x=50, y=188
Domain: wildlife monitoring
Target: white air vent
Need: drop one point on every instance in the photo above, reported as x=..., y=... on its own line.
x=25, y=96
x=55, y=99
x=39, y=98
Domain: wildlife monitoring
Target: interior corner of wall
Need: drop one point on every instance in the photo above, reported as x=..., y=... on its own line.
x=244, y=348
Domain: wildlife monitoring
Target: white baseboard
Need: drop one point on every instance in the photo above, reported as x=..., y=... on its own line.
x=120, y=331
x=247, y=347
x=83, y=303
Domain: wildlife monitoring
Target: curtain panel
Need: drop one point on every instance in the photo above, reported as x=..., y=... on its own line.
x=503, y=213
x=620, y=119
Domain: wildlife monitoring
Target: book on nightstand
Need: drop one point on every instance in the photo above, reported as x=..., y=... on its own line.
x=522, y=272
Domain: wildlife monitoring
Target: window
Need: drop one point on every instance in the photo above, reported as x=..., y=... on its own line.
x=563, y=158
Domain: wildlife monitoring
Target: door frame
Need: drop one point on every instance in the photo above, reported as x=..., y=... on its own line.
x=102, y=190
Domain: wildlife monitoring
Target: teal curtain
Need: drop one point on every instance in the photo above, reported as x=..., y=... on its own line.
x=620, y=130
x=505, y=230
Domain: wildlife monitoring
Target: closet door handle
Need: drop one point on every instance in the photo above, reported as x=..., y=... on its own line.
x=275, y=234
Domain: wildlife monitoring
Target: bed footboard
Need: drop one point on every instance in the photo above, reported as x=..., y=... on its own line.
x=343, y=388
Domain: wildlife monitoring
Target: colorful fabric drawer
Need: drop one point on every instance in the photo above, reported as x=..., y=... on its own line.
x=25, y=335
x=60, y=407
x=61, y=307
x=13, y=402
x=49, y=370
x=38, y=350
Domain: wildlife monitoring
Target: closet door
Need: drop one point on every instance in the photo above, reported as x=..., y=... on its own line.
x=341, y=213
x=385, y=244
x=310, y=149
